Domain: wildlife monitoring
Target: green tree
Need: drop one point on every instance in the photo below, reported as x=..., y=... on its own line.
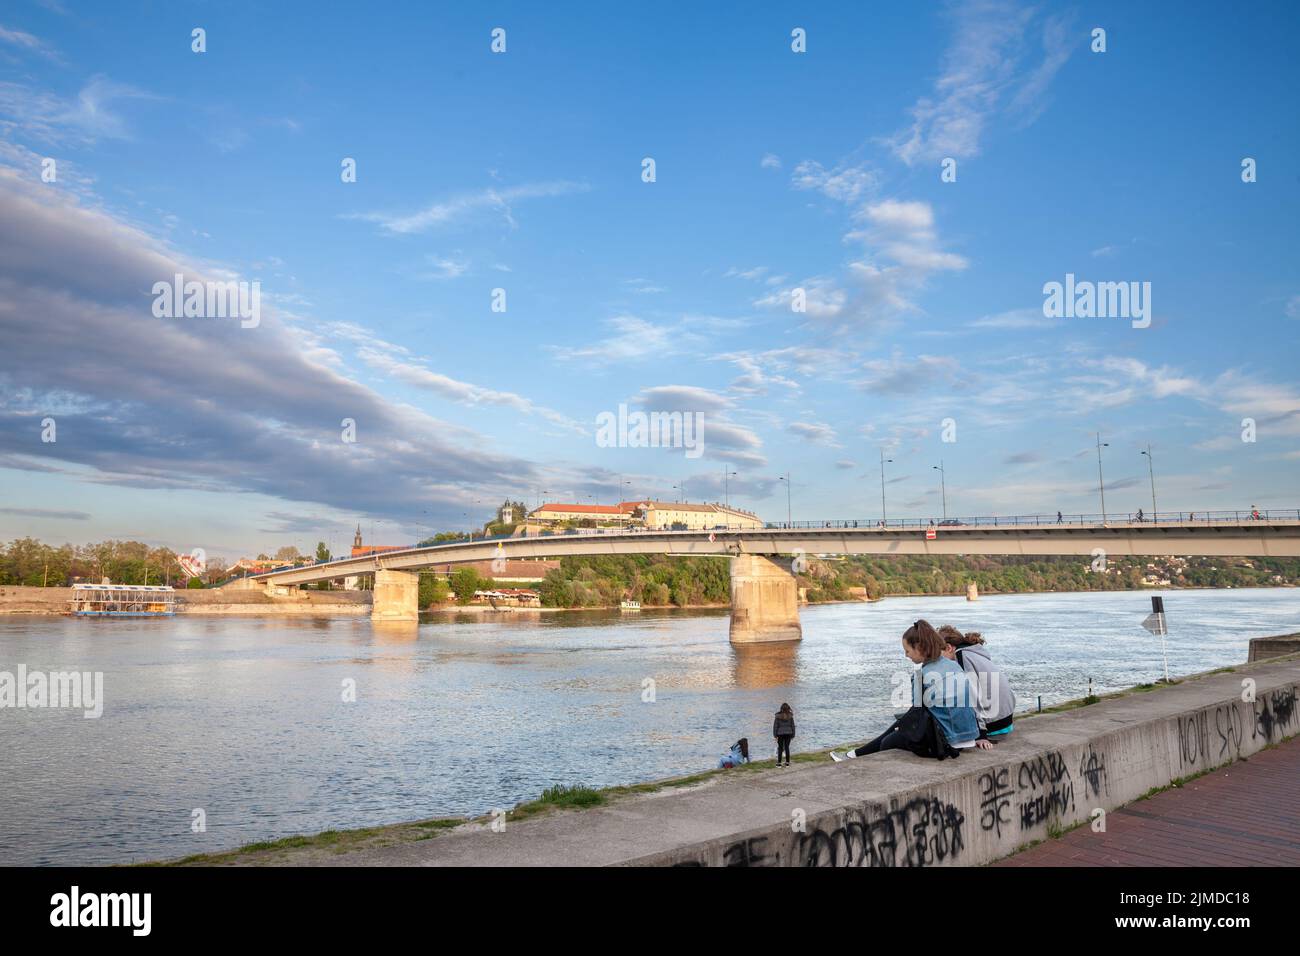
x=464, y=582
x=322, y=552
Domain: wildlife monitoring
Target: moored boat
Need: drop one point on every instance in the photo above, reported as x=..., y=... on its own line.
x=122, y=600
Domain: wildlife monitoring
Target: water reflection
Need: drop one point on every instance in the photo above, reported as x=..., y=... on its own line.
x=388, y=633
x=759, y=666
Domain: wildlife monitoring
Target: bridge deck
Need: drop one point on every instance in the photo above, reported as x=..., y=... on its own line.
x=1272, y=537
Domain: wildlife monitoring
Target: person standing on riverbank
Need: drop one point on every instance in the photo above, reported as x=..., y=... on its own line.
x=783, y=731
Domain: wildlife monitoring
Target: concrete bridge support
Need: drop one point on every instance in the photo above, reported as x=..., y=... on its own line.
x=764, y=600
x=397, y=596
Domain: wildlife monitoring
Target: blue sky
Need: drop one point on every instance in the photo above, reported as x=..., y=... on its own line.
x=775, y=171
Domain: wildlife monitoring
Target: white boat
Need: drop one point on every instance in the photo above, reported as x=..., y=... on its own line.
x=630, y=606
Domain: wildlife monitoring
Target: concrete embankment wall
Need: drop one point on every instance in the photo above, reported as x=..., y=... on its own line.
x=258, y=602
x=1059, y=770
x=28, y=600
x=15, y=599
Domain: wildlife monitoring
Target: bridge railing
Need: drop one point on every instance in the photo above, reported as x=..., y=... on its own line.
x=1053, y=520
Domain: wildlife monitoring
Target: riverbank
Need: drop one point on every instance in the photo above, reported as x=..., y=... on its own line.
x=18, y=599
x=710, y=816
x=206, y=601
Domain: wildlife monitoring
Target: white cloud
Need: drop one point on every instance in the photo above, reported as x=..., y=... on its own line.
x=844, y=183
x=982, y=69
x=445, y=268
x=25, y=41
x=819, y=433
x=459, y=207
x=770, y=161
x=1015, y=319
x=52, y=119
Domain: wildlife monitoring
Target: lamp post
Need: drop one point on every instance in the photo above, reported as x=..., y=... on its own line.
x=1101, y=484
x=884, y=518
x=1151, y=469
x=726, y=486
x=943, y=490
x=789, y=520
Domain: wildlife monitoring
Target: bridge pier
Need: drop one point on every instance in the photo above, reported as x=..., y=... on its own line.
x=396, y=596
x=764, y=600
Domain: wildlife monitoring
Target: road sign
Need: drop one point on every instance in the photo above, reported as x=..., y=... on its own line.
x=930, y=534
x=1155, y=623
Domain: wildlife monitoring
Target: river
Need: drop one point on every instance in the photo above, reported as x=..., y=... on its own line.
x=245, y=718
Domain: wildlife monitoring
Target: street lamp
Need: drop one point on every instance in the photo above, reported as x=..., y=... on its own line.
x=726, y=486
x=1101, y=484
x=884, y=518
x=789, y=521
x=1151, y=469
x=943, y=490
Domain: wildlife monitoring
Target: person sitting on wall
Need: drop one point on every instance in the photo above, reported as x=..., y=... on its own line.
x=996, y=702
x=941, y=722
x=738, y=754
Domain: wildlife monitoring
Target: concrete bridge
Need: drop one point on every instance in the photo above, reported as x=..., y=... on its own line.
x=764, y=593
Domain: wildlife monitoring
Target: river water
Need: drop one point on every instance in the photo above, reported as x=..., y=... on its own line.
x=245, y=718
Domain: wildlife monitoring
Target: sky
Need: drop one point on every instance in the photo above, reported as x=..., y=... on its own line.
x=841, y=255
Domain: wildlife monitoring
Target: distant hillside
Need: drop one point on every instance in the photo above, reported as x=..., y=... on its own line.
x=659, y=580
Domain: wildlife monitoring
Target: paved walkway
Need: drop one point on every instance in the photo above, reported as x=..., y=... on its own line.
x=1246, y=814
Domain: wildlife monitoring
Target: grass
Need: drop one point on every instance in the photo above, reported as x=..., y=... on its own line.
x=334, y=841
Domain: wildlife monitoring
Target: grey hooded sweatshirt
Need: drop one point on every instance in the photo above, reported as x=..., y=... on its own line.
x=996, y=699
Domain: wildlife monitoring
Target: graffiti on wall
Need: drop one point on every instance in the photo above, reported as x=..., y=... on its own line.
x=1274, y=714
x=1046, y=790
x=1216, y=735
x=928, y=831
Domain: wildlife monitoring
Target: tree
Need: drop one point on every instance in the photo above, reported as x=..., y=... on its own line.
x=433, y=590
x=464, y=582
x=287, y=554
x=322, y=552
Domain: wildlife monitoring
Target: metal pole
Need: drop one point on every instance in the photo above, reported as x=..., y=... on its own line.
x=1101, y=484
x=884, y=518
x=1151, y=468
x=789, y=519
x=942, y=488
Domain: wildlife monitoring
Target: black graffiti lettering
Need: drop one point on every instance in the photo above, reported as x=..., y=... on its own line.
x=1046, y=789
x=1227, y=721
x=1274, y=712
x=995, y=800
x=1193, y=737
x=751, y=852
x=922, y=832
x=1092, y=768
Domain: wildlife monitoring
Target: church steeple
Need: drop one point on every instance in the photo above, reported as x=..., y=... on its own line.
x=356, y=541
